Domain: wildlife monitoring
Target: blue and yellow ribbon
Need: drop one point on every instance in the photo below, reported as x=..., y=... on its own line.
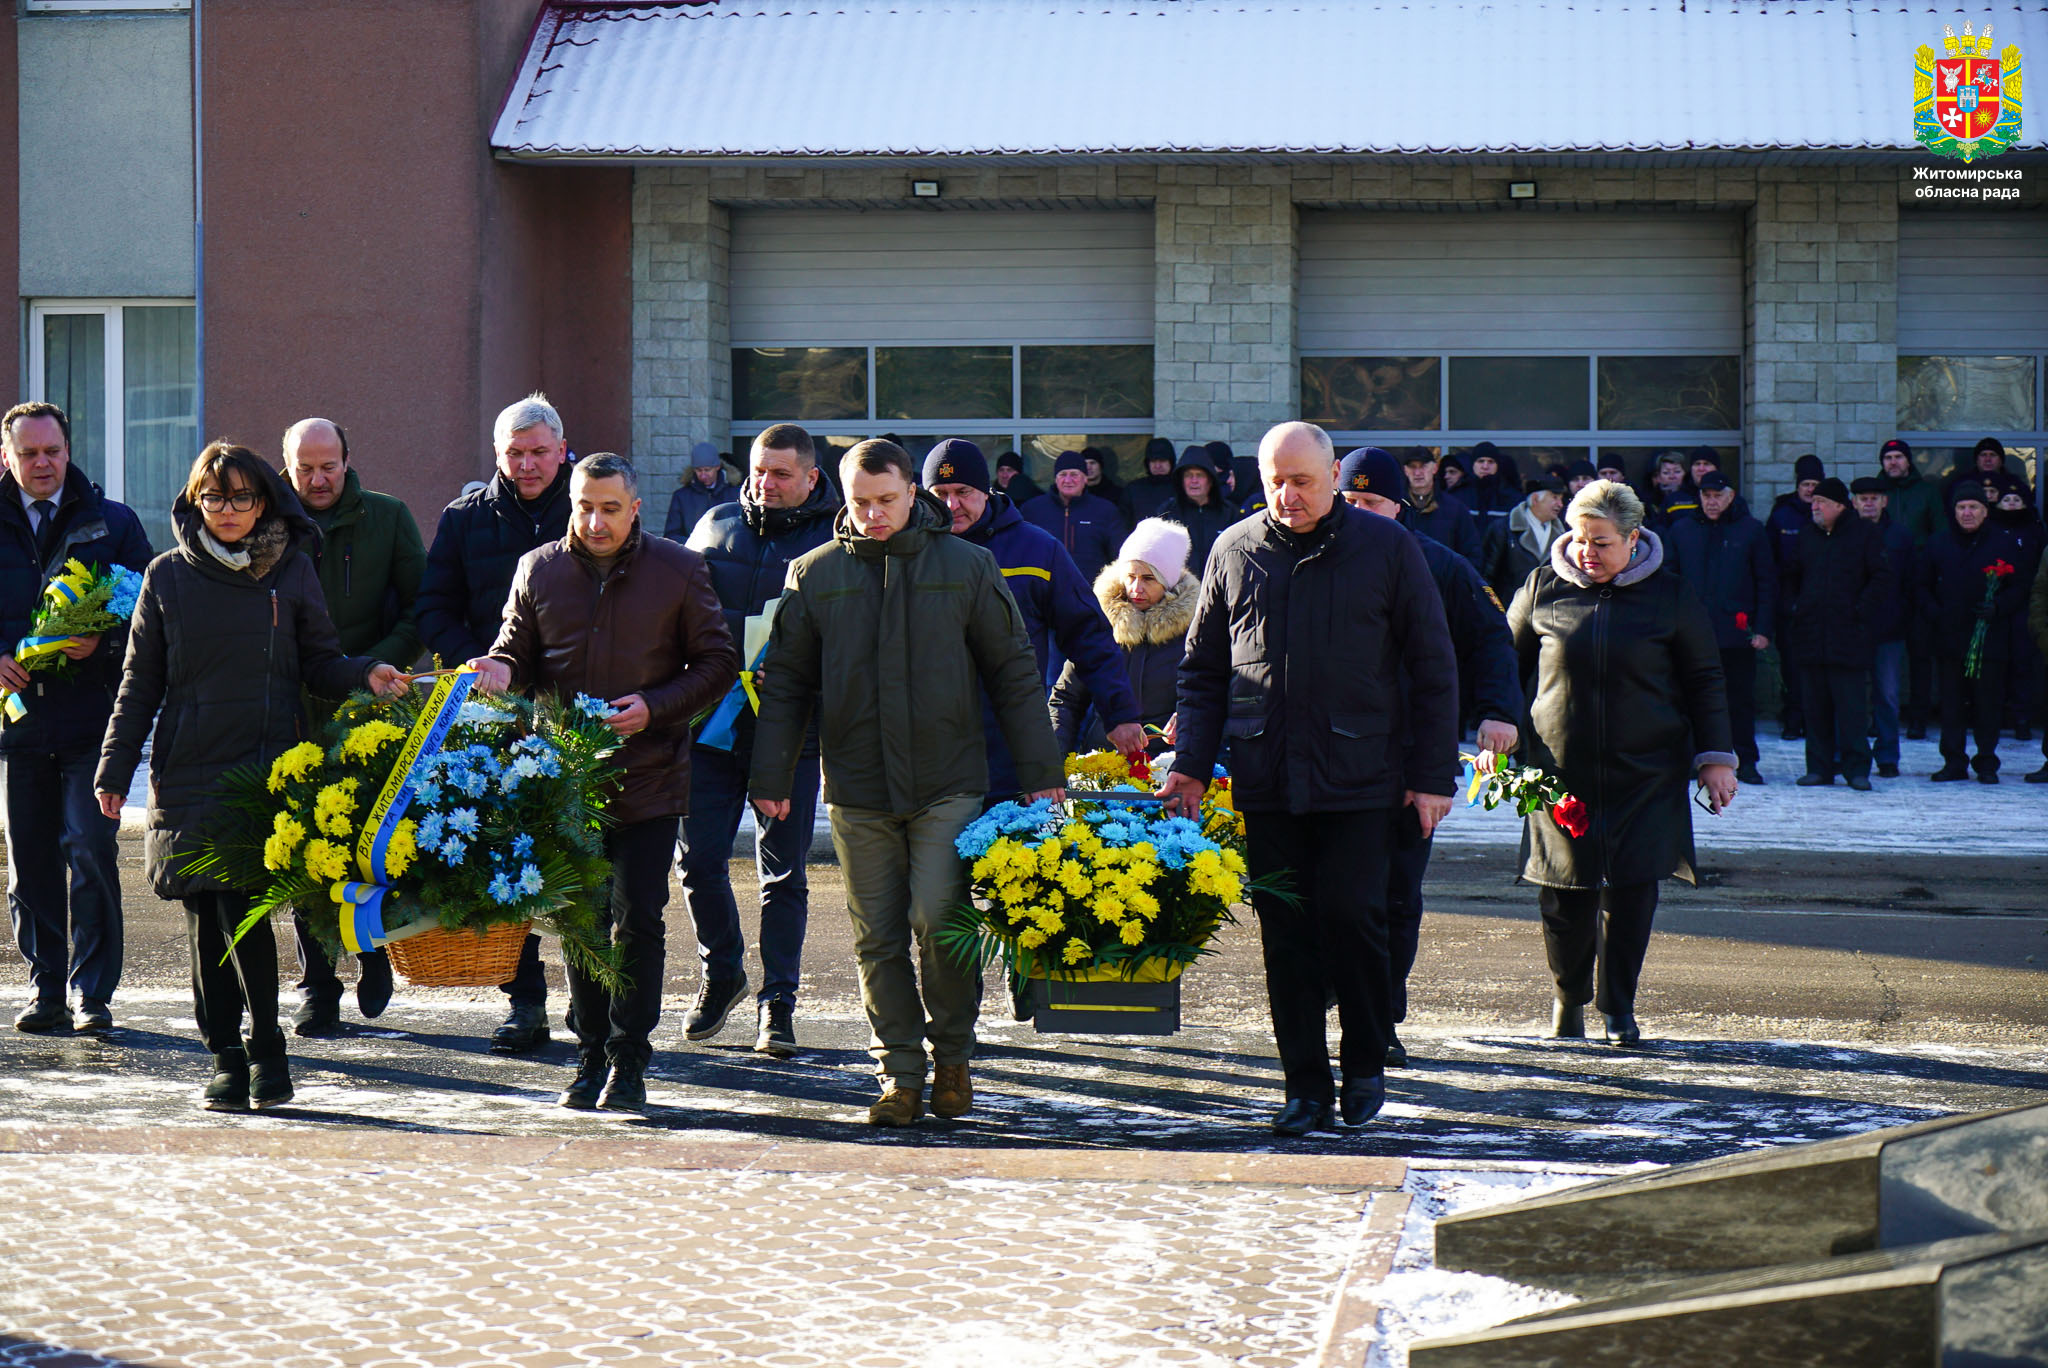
x=361, y=902
x=67, y=588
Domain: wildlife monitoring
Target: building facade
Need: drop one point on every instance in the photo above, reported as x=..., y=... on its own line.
x=688, y=221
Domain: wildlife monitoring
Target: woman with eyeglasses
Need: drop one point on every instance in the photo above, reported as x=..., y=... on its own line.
x=227, y=628
x=1628, y=706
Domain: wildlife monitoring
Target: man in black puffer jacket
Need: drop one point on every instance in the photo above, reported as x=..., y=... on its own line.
x=470, y=566
x=1319, y=649
x=1959, y=561
x=1837, y=585
x=56, y=835
x=784, y=509
x=1725, y=555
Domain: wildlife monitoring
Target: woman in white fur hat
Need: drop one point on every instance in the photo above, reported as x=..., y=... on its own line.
x=1149, y=598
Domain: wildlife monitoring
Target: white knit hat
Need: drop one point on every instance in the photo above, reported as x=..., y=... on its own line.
x=1160, y=544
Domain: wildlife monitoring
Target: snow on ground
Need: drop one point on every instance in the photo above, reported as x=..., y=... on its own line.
x=1421, y=1301
x=1904, y=815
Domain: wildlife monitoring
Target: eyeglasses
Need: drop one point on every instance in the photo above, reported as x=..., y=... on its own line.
x=241, y=500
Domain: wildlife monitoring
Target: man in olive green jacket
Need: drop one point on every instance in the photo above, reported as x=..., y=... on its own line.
x=370, y=561
x=892, y=631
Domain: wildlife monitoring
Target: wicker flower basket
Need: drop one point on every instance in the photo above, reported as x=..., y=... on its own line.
x=460, y=959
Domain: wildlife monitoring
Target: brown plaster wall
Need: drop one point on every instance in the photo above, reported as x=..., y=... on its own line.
x=367, y=260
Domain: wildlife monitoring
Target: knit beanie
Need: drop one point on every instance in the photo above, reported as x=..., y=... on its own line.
x=1372, y=470
x=703, y=455
x=1834, y=489
x=1160, y=544
x=1010, y=460
x=956, y=461
x=1070, y=460
x=1808, y=467
x=1898, y=444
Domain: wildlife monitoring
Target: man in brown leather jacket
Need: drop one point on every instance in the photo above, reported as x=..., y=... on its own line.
x=633, y=620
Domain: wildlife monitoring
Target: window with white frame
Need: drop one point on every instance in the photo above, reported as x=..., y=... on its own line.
x=1542, y=410
x=103, y=6
x=124, y=372
x=1948, y=402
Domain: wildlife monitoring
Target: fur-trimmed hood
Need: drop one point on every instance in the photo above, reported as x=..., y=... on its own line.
x=1648, y=558
x=1134, y=626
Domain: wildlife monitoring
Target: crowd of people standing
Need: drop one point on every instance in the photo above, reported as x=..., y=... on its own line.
x=942, y=635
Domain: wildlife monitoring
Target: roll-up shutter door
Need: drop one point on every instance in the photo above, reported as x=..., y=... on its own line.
x=1972, y=282
x=826, y=278
x=1392, y=283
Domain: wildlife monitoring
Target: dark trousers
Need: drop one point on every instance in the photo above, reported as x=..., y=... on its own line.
x=1837, y=718
x=1335, y=938
x=528, y=986
x=1918, y=708
x=1595, y=939
x=1792, y=712
x=718, y=798
x=1972, y=705
x=62, y=867
x=317, y=979
x=1406, y=865
x=1886, y=676
x=621, y=1025
x=1738, y=667
x=221, y=992
x=2023, y=682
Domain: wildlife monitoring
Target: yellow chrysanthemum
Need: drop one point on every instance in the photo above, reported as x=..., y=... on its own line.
x=325, y=860
x=1132, y=932
x=296, y=763
x=401, y=849
x=363, y=742
x=1075, y=950
x=333, y=806
x=285, y=835
x=1031, y=939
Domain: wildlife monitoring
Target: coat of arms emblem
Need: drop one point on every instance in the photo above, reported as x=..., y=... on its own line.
x=1966, y=104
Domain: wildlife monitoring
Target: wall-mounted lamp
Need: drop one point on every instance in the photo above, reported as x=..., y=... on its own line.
x=1522, y=190
x=925, y=189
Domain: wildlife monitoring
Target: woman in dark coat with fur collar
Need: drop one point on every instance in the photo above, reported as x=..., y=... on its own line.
x=1149, y=598
x=1627, y=704
x=227, y=629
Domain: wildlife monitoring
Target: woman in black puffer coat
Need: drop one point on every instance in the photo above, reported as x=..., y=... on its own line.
x=1626, y=704
x=1149, y=598
x=227, y=629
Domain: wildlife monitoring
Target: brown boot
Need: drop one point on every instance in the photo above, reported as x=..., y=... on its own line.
x=952, y=1091
x=900, y=1106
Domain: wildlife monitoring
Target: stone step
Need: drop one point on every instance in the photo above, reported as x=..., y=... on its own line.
x=1959, y=1175
x=1974, y=1302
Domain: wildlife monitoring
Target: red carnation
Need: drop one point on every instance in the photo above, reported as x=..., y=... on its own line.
x=1998, y=568
x=1742, y=622
x=1570, y=814
x=1141, y=767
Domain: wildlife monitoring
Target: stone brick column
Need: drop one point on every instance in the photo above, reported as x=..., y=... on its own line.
x=1224, y=362
x=682, y=374
x=1822, y=322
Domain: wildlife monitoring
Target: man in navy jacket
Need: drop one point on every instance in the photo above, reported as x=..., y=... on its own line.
x=1089, y=527
x=1725, y=555
x=56, y=835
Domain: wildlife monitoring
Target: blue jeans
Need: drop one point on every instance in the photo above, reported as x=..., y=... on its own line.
x=55, y=832
x=1887, y=672
x=718, y=798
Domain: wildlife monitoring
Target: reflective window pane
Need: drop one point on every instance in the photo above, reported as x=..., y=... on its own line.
x=1372, y=393
x=1087, y=382
x=943, y=382
x=75, y=380
x=159, y=425
x=799, y=384
x=1041, y=449
x=1506, y=393
x=1966, y=393
x=1938, y=463
x=1639, y=462
x=1670, y=393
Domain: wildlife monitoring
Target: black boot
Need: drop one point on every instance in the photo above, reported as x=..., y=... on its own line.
x=229, y=1090
x=715, y=1002
x=581, y=1094
x=373, y=984
x=1622, y=1028
x=270, y=1082
x=1567, y=1020
x=1361, y=1098
x=524, y=1030
x=1397, y=1053
x=317, y=1018
x=626, y=1089
x=1300, y=1116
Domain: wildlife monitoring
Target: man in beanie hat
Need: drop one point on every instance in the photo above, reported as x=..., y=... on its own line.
x=1156, y=485
x=1010, y=479
x=1914, y=503
x=1888, y=669
x=1089, y=527
x=1489, y=676
x=1496, y=488
x=1434, y=512
x=1319, y=648
x=1060, y=616
x=702, y=490
x=1953, y=571
x=1791, y=514
x=1722, y=552
x=1198, y=504
x=1839, y=587
x=1578, y=475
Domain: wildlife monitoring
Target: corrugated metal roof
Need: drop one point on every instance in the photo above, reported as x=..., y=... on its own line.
x=1055, y=78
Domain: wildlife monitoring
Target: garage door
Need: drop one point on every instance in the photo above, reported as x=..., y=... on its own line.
x=1024, y=329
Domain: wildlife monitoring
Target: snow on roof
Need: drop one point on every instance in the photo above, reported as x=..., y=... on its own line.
x=1059, y=78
